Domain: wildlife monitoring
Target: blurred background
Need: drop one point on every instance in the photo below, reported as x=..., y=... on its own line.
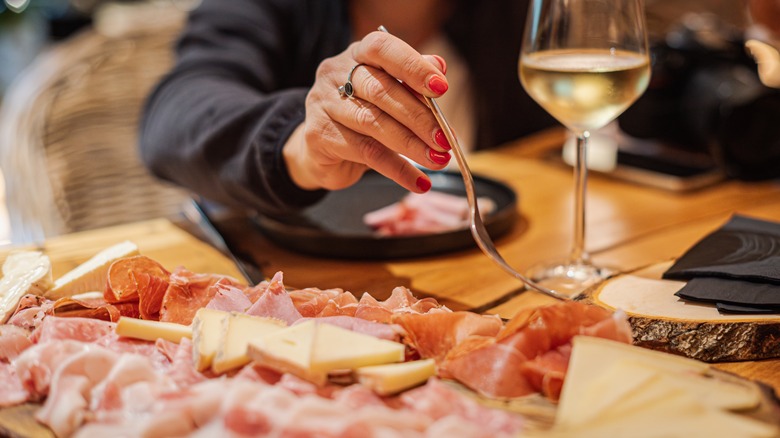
x=54, y=52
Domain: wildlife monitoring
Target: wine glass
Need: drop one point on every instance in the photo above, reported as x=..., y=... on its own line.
x=584, y=62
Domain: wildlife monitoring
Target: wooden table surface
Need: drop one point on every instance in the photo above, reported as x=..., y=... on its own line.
x=629, y=226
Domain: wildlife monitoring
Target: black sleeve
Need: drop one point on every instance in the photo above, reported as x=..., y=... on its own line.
x=217, y=122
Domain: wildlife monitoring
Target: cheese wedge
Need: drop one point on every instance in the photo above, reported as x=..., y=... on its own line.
x=289, y=351
x=337, y=348
x=91, y=275
x=590, y=358
x=207, y=336
x=311, y=350
x=396, y=377
x=149, y=330
x=237, y=331
x=24, y=272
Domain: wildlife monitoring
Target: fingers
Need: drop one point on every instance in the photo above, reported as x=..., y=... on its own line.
x=401, y=61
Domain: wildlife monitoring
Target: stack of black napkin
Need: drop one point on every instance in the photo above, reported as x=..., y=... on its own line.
x=736, y=267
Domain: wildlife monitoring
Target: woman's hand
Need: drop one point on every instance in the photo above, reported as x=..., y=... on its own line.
x=342, y=136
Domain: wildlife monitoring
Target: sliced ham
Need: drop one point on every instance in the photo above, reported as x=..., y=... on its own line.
x=229, y=299
x=36, y=365
x=13, y=340
x=79, y=329
x=391, y=332
x=12, y=391
x=275, y=303
x=67, y=404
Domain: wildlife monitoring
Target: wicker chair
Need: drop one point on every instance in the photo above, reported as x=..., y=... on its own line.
x=68, y=127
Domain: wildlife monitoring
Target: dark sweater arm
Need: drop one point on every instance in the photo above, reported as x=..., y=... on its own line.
x=217, y=123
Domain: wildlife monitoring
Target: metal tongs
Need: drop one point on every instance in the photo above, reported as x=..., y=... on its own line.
x=477, y=227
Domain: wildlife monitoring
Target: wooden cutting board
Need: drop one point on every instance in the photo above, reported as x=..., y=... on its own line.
x=662, y=321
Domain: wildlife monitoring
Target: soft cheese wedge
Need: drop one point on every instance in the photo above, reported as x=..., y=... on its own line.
x=394, y=378
x=149, y=330
x=236, y=332
x=311, y=350
x=24, y=272
x=207, y=336
x=91, y=275
x=615, y=389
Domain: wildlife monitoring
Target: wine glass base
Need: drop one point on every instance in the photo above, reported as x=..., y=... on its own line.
x=568, y=278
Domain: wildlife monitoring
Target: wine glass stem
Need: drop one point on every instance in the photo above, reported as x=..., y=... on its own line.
x=578, y=254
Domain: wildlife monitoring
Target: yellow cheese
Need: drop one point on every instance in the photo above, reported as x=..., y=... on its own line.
x=152, y=330
x=289, y=351
x=237, y=331
x=91, y=275
x=590, y=358
x=396, y=377
x=311, y=350
x=336, y=348
x=206, y=336
x=24, y=272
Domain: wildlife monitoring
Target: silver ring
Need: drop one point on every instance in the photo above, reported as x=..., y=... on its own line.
x=348, y=90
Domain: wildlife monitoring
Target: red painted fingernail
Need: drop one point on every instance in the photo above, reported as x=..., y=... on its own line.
x=441, y=139
x=442, y=62
x=438, y=157
x=423, y=183
x=437, y=85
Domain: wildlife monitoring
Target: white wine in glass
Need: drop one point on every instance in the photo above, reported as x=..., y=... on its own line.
x=584, y=62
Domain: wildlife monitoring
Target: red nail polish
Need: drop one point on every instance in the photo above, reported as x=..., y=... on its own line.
x=442, y=62
x=437, y=85
x=423, y=184
x=441, y=139
x=438, y=157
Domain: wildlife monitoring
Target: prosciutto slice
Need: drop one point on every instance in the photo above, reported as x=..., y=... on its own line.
x=530, y=354
x=275, y=303
x=187, y=292
x=434, y=335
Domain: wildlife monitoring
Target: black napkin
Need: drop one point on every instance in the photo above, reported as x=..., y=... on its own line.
x=737, y=266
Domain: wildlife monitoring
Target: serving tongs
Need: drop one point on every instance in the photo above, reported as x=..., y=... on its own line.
x=477, y=227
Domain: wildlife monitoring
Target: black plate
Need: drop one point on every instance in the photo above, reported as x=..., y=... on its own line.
x=334, y=227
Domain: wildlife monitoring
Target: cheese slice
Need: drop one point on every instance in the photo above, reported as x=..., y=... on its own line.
x=24, y=272
x=237, y=332
x=91, y=275
x=207, y=336
x=396, y=377
x=289, y=351
x=337, y=348
x=591, y=356
x=311, y=350
x=149, y=330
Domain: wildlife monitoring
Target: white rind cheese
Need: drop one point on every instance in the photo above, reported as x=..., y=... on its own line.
x=91, y=275
x=24, y=272
x=149, y=330
x=394, y=378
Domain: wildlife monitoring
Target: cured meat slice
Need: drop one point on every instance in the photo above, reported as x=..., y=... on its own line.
x=12, y=391
x=533, y=346
x=229, y=299
x=310, y=302
x=434, y=335
x=391, y=332
x=36, y=365
x=275, y=303
x=67, y=404
x=31, y=311
x=138, y=278
x=13, y=340
x=188, y=292
x=55, y=328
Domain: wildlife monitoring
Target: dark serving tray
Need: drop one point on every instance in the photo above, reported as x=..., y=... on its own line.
x=334, y=227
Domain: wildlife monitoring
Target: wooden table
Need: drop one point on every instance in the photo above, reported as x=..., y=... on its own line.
x=629, y=226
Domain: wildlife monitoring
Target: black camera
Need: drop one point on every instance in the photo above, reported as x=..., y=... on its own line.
x=705, y=97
